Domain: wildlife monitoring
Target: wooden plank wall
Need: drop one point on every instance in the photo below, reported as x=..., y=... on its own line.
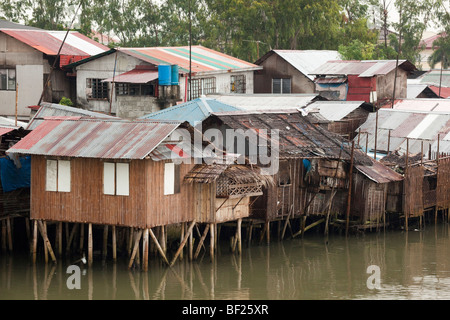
x=413, y=191
x=145, y=207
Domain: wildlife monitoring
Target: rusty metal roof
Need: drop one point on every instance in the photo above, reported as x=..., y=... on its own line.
x=361, y=68
x=95, y=138
x=379, y=173
x=49, y=42
x=298, y=138
x=57, y=110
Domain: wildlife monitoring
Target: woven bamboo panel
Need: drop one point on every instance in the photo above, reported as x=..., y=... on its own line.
x=413, y=185
x=443, y=184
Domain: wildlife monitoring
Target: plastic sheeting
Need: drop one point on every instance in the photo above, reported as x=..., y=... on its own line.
x=15, y=177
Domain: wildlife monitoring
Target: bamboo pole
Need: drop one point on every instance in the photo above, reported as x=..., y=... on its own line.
x=406, y=172
x=183, y=243
x=4, y=236
x=59, y=238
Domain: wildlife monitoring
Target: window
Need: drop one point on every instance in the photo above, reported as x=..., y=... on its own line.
x=8, y=79
x=237, y=84
x=171, y=178
x=58, y=176
x=281, y=85
x=116, y=179
x=96, y=89
x=202, y=86
x=130, y=89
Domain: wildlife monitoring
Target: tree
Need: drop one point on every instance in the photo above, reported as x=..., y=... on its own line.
x=441, y=53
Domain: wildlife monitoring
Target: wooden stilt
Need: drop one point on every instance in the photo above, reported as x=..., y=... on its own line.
x=239, y=235
x=145, y=251
x=81, y=237
x=59, y=228
x=250, y=231
x=72, y=235
x=9, y=229
x=191, y=244
x=4, y=236
x=163, y=239
x=268, y=232
x=90, y=246
x=27, y=229
x=211, y=236
x=135, y=248
x=202, y=239
x=105, y=243
x=309, y=227
x=43, y=230
x=114, y=243
x=35, y=235
x=158, y=246
x=183, y=230
x=183, y=243
x=303, y=225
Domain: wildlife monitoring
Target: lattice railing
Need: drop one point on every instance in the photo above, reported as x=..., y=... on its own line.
x=229, y=188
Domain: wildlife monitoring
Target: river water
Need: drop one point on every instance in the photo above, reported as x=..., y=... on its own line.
x=408, y=265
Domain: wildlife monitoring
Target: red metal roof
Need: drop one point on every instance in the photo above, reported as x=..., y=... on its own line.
x=5, y=130
x=76, y=45
x=88, y=138
x=445, y=91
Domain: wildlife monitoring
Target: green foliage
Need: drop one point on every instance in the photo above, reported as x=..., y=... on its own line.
x=246, y=29
x=66, y=102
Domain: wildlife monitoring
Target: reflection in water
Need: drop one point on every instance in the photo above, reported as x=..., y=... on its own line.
x=413, y=265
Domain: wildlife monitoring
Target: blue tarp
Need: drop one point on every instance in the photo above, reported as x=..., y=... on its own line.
x=12, y=177
x=307, y=164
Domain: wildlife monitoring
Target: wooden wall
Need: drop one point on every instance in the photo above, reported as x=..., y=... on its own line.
x=145, y=207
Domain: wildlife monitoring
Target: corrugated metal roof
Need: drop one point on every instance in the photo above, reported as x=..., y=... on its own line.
x=5, y=130
x=298, y=138
x=135, y=76
x=203, y=59
x=334, y=110
x=438, y=105
x=49, y=42
x=105, y=139
x=379, y=173
x=265, y=101
x=433, y=77
x=361, y=68
x=193, y=111
x=416, y=125
x=307, y=61
x=57, y=110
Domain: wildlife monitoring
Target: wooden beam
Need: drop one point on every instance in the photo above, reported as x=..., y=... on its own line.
x=312, y=225
x=43, y=230
x=114, y=243
x=135, y=249
x=35, y=235
x=183, y=243
x=145, y=251
x=202, y=239
x=158, y=246
x=90, y=246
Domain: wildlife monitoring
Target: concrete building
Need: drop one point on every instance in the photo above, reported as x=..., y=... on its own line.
x=26, y=58
x=133, y=73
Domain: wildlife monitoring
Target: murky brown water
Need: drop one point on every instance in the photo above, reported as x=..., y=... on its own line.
x=413, y=265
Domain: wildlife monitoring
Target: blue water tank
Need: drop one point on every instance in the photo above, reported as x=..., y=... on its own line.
x=164, y=75
x=175, y=80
